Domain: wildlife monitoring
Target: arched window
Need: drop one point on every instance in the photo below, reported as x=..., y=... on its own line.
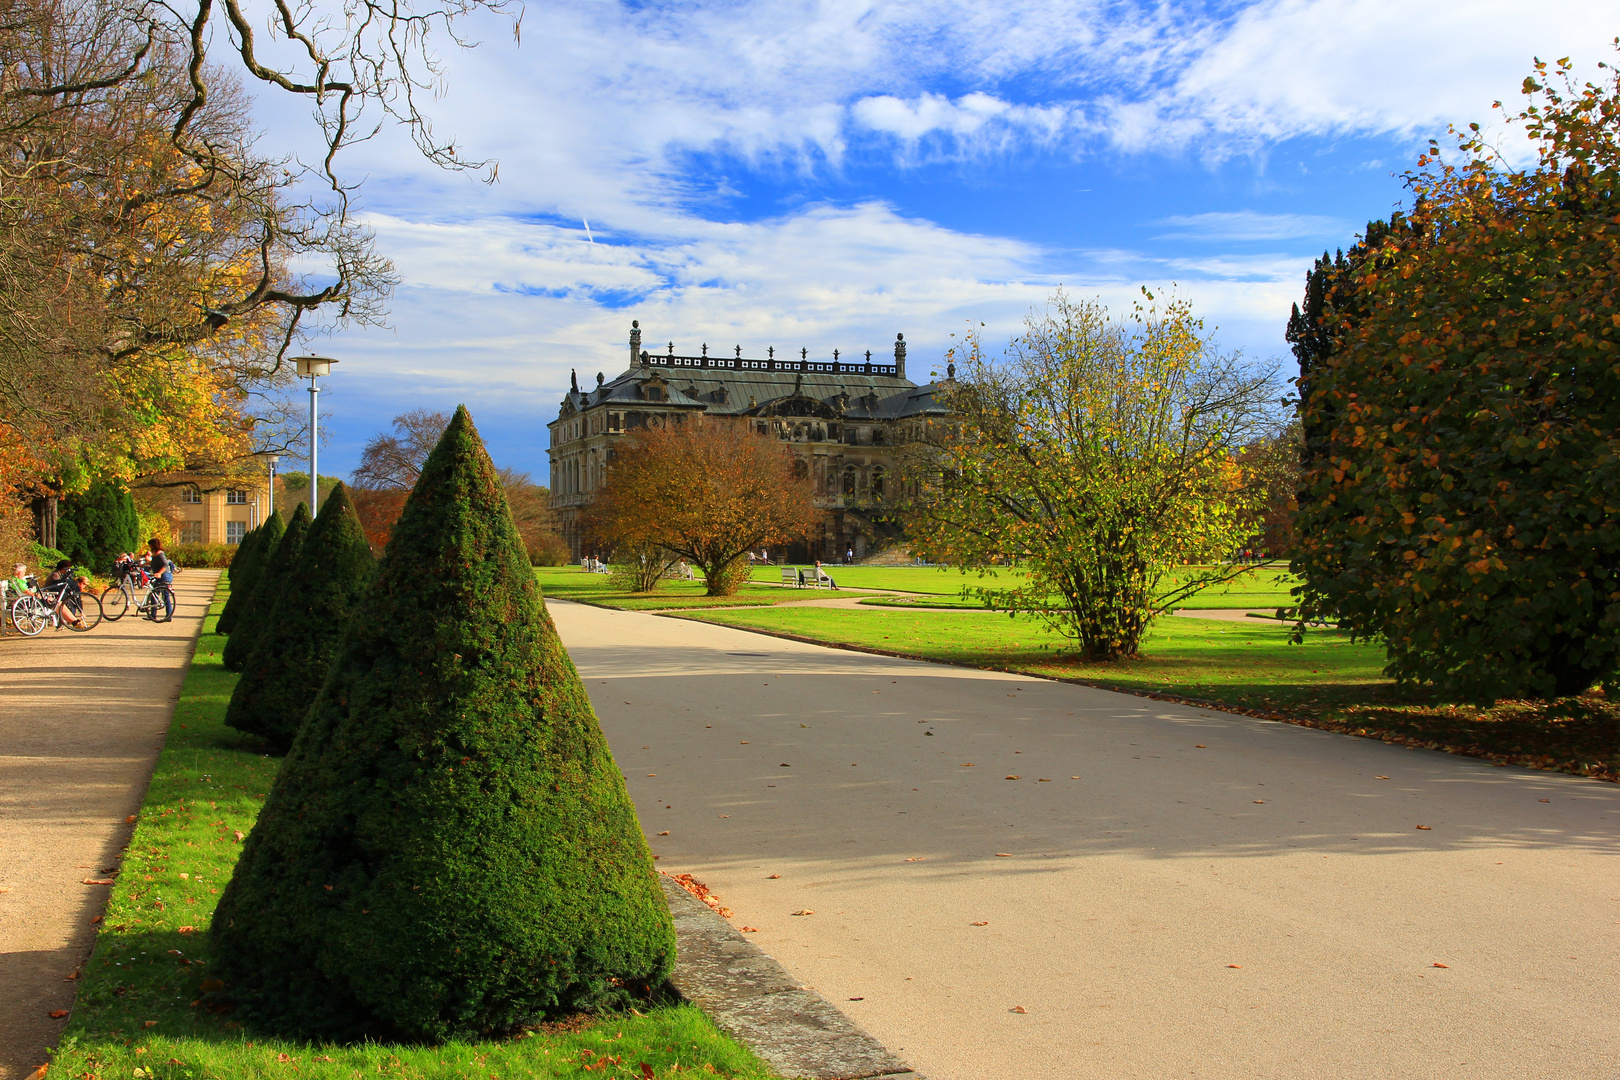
x=849, y=479
x=190, y=494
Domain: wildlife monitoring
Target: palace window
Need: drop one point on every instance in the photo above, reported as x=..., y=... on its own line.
x=236, y=498
x=615, y=421
x=234, y=531
x=849, y=479
x=191, y=532
x=877, y=482
x=190, y=494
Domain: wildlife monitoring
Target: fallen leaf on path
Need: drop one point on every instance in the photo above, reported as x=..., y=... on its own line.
x=1234, y=965
x=1259, y=801
x=1425, y=828
x=98, y=881
x=652, y=774
x=57, y=1014
x=97, y=919
x=39, y=1073
x=785, y=765
x=773, y=877
x=1443, y=965
x=1380, y=778
x=1200, y=746
x=130, y=820
x=744, y=742
x=664, y=833
x=979, y=924
x=1018, y=1009
x=1003, y=854
x=916, y=858
x=803, y=911
x=1538, y=800
x=725, y=815
x=4, y=890
x=1015, y=778
x=748, y=929
x=1043, y=780
x=857, y=999
x=967, y=764
x=1074, y=778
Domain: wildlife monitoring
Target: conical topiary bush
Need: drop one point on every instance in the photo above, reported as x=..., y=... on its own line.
x=448, y=850
x=302, y=634
x=247, y=567
x=275, y=574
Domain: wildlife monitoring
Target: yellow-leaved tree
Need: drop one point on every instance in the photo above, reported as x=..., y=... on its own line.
x=1100, y=455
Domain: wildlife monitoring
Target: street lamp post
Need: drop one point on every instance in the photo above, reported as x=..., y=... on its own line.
x=311, y=368
x=273, y=459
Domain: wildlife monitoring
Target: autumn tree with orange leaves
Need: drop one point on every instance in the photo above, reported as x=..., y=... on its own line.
x=709, y=491
x=1460, y=398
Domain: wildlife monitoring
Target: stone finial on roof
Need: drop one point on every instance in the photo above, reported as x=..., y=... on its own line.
x=672, y=348
x=599, y=380
x=771, y=352
x=900, y=355
x=573, y=381
x=705, y=348
x=645, y=358
x=739, y=352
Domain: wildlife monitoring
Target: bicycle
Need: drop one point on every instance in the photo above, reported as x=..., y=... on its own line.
x=151, y=605
x=117, y=601
x=32, y=612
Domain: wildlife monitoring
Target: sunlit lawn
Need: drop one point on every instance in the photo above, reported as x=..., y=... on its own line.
x=1327, y=680
x=573, y=583
x=143, y=1012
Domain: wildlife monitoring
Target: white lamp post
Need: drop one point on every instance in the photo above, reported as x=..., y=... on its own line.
x=273, y=459
x=311, y=368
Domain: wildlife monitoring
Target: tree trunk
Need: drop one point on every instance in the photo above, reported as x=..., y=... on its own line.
x=45, y=509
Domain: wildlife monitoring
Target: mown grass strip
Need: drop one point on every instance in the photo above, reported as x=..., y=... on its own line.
x=147, y=1011
x=1251, y=667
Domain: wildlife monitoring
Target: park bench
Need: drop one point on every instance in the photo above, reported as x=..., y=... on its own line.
x=790, y=576
x=822, y=580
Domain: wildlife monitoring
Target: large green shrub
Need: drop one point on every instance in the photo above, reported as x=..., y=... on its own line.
x=275, y=575
x=213, y=556
x=251, y=556
x=290, y=657
x=1460, y=498
x=449, y=849
x=95, y=527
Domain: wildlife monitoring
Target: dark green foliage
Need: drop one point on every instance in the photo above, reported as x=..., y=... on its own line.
x=449, y=849
x=275, y=574
x=290, y=658
x=94, y=528
x=251, y=556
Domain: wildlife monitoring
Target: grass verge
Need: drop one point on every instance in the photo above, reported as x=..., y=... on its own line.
x=1328, y=681
x=145, y=1009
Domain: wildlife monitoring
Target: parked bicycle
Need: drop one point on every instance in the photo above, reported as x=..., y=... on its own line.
x=128, y=579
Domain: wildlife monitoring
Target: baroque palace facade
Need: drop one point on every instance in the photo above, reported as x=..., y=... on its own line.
x=843, y=419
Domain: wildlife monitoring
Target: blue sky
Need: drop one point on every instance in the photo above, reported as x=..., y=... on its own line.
x=824, y=174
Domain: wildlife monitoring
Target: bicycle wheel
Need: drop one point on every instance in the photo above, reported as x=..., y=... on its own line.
x=86, y=607
x=29, y=615
x=114, y=603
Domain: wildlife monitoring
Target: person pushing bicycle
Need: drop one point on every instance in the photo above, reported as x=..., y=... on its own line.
x=162, y=572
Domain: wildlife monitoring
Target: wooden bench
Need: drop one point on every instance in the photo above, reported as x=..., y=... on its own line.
x=790, y=576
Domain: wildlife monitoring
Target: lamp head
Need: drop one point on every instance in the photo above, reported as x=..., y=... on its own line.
x=312, y=366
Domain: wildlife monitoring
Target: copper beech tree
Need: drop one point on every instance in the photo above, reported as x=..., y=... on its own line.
x=708, y=491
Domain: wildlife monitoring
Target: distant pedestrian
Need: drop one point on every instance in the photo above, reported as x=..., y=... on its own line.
x=162, y=571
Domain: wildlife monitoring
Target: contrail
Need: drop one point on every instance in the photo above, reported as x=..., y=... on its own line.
x=588, y=235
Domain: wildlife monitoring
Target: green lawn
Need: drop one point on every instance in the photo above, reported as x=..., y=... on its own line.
x=572, y=583
x=145, y=1010
x=1328, y=681
x=1260, y=588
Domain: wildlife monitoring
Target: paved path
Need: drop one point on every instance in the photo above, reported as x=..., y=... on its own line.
x=1260, y=905
x=83, y=719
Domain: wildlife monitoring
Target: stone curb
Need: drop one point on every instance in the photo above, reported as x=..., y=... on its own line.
x=753, y=999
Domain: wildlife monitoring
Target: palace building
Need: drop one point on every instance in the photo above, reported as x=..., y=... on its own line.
x=843, y=418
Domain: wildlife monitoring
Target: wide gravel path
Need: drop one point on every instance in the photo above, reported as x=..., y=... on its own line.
x=1013, y=878
x=82, y=718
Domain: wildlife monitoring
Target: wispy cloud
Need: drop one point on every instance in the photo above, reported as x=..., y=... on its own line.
x=1249, y=225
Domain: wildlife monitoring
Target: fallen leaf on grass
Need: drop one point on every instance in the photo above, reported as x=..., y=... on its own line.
x=979, y=924
x=57, y=1014
x=1425, y=828
x=150, y=1023
x=236, y=836
x=1443, y=965
x=187, y=929
x=803, y=911
x=1018, y=1009
x=646, y=1071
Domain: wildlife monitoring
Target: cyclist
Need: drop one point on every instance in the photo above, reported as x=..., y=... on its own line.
x=162, y=572
x=56, y=589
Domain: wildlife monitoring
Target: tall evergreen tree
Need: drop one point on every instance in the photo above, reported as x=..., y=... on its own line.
x=95, y=527
x=247, y=567
x=275, y=574
x=290, y=658
x=449, y=849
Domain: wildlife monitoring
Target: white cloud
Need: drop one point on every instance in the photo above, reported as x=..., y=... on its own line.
x=1249, y=225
